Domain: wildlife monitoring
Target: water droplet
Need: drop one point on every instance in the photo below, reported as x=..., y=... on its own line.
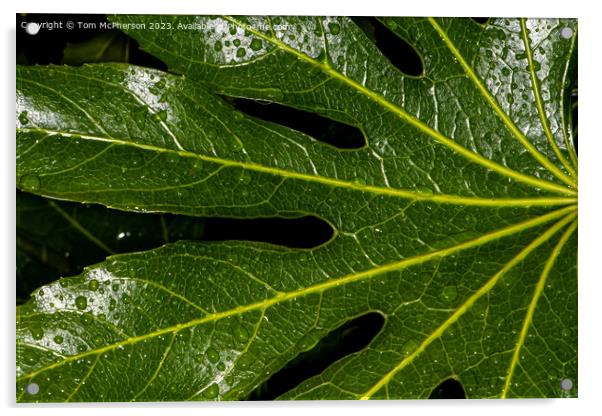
x=409, y=346
x=212, y=391
x=37, y=333
x=30, y=182
x=221, y=366
x=241, y=333
x=217, y=46
x=505, y=71
x=236, y=146
x=212, y=355
x=521, y=55
x=112, y=304
x=241, y=52
x=93, y=285
x=160, y=84
x=273, y=94
x=449, y=293
x=536, y=66
x=256, y=44
x=510, y=98
x=334, y=28
x=566, y=333
x=115, y=287
x=87, y=318
x=139, y=117
x=81, y=302
x=58, y=339
x=162, y=115
x=245, y=178
x=23, y=117
x=424, y=190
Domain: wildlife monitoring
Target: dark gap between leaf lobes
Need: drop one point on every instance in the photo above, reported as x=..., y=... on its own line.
x=334, y=133
x=348, y=338
x=399, y=52
x=448, y=389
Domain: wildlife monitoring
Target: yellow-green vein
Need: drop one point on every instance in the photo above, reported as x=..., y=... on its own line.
x=542, y=159
x=412, y=195
x=539, y=102
x=320, y=287
x=83, y=380
x=158, y=369
x=413, y=121
x=539, y=288
x=466, y=305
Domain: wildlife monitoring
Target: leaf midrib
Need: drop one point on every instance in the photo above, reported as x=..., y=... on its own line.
x=286, y=174
x=321, y=287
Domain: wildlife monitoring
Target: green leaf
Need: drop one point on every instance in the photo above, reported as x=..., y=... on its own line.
x=456, y=221
x=56, y=238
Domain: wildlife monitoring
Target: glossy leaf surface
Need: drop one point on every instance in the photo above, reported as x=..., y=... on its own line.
x=456, y=222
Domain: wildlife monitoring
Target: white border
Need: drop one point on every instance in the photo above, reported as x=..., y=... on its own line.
x=590, y=276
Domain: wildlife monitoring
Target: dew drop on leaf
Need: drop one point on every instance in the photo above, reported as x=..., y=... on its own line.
x=241, y=333
x=58, y=339
x=245, y=178
x=212, y=391
x=37, y=332
x=93, y=285
x=23, y=119
x=30, y=182
x=256, y=44
x=334, y=28
x=162, y=115
x=424, y=190
x=241, y=52
x=449, y=293
x=81, y=302
x=409, y=346
x=212, y=355
x=87, y=318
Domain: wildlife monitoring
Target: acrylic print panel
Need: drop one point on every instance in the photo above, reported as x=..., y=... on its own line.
x=254, y=208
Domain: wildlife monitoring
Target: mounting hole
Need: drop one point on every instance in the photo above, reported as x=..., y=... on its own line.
x=566, y=384
x=33, y=388
x=566, y=33
x=32, y=28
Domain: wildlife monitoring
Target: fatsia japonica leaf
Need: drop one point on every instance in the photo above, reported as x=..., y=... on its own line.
x=456, y=221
